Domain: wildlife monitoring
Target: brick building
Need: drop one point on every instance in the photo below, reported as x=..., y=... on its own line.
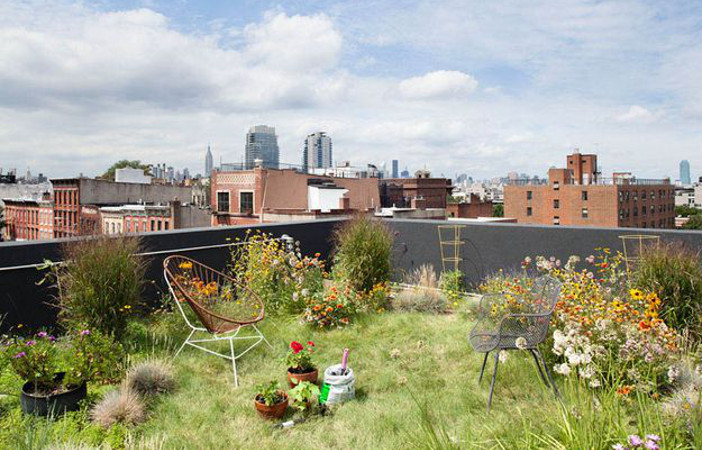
x=28, y=219
x=577, y=195
x=472, y=208
x=270, y=195
x=400, y=192
x=77, y=201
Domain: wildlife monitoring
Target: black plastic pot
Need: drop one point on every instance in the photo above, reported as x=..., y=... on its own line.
x=45, y=405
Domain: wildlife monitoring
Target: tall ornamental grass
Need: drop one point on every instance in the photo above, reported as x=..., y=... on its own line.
x=363, y=248
x=675, y=273
x=100, y=283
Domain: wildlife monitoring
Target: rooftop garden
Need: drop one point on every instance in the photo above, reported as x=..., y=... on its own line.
x=620, y=346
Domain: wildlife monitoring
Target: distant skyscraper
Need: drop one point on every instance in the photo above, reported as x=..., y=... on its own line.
x=395, y=168
x=685, y=173
x=208, y=162
x=405, y=173
x=317, y=152
x=262, y=143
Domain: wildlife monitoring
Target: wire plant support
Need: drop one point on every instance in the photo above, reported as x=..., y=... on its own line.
x=451, y=246
x=634, y=245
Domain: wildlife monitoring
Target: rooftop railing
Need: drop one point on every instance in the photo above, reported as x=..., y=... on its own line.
x=599, y=182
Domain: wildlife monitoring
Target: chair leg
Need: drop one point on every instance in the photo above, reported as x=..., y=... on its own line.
x=538, y=367
x=548, y=374
x=231, y=347
x=482, y=369
x=494, y=376
x=184, y=344
x=262, y=336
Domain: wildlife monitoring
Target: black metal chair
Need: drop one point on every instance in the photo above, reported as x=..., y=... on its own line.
x=524, y=330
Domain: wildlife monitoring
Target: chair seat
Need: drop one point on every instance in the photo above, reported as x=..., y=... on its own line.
x=487, y=341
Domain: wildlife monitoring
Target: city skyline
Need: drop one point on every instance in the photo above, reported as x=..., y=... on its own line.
x=509, y=92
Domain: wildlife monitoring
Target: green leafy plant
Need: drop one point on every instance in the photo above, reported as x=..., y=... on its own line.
x=363, y=247
x=99, y=283
x=675, y=273
x=299, y=357
x=302, y=395
x=35, y=360
x=451, y=284
x=94, y=357
x=270, y=394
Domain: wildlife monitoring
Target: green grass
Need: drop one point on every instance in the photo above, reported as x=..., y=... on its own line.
x=425, y=397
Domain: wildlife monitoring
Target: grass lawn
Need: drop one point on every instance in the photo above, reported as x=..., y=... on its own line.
x=416, y=386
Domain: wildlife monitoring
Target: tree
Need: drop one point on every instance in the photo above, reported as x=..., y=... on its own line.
x=498, y=210
x=686, y=211
x=135, y=164
x=693, y=223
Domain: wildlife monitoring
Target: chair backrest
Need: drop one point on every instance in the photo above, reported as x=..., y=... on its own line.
x=201, y=286
x=544, y=293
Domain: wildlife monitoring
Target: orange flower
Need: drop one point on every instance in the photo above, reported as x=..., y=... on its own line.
x=624, y=390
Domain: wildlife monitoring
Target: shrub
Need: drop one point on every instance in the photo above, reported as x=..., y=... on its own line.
x=331, y=309
x=675, y=273
x=363, y=247
x=122, y=406
x=151, y=377
x=281, y=277
x=451, y=284
x=100, y=283
x=422, y=293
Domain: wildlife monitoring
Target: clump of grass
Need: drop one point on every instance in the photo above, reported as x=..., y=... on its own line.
x=121, y=406
x=151, y=377
x=674, y=272
x=362, y=253
x=100, y=283
x=422, y=292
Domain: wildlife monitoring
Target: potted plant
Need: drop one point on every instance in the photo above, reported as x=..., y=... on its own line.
x=302, y=395
x=56, y=375
x=299, y=361
x=271, y=401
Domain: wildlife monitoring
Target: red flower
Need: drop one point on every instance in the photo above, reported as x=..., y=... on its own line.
x=296, y=347
x=310, y=343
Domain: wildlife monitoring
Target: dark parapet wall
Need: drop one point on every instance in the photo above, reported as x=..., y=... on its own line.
x=23, y=301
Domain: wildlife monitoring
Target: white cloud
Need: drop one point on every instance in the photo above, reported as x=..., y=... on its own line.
x=636, y=114
x=438, y=84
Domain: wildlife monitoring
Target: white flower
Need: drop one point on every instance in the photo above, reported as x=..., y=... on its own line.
x=574, y=359
x=503, y=356
x=304, y=292
x=673, y=373
x=586, y=372
x=563, y=369
x=521, y=343
x=595, y=383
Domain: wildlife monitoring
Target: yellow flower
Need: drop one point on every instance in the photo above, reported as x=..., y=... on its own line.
x=636, y=294
x=186, y=265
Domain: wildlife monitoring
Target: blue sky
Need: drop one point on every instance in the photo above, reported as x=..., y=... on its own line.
x=457, y=86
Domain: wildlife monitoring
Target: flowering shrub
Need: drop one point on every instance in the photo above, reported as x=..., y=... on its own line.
x=283, y=278
x=84, y=356
x=451, y=283
x=604, y=334
x=332, y=309
x=376, y=300
x=650, y=442
x=299, y=357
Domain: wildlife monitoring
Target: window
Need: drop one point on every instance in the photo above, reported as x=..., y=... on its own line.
x=583, y=195
x=585, y=213
x=556, y=220
x=643, y=195
x=165, y=225
x=246, y=202
x=529, y=195
x=556, y=185
x=153, y=225
x=529, y=211
x=556, y=204
x=158, y=225
x=643, y=210
x=223, y=202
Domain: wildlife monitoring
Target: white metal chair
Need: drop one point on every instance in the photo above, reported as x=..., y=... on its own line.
x=202, y=287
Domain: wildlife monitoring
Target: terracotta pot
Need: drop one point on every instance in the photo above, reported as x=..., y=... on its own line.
x=271, y=412
x=306, y=376
x=54, y=405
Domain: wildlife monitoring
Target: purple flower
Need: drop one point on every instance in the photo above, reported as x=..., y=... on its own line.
x=650, y=445
x=30, y=343
x=20, y=355
x=42, y=334
x=619, y=447
x=653, y=437
x=635, y=440
x=52, y=339
x=85, y=332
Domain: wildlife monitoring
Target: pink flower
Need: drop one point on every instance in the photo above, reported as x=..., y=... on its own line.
x=650, y=445
x=20, y=355
x=653, y=437
x=30, y=343
x=85, y=332
x=42, y=334
x=310, y=343
x=635, y=440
